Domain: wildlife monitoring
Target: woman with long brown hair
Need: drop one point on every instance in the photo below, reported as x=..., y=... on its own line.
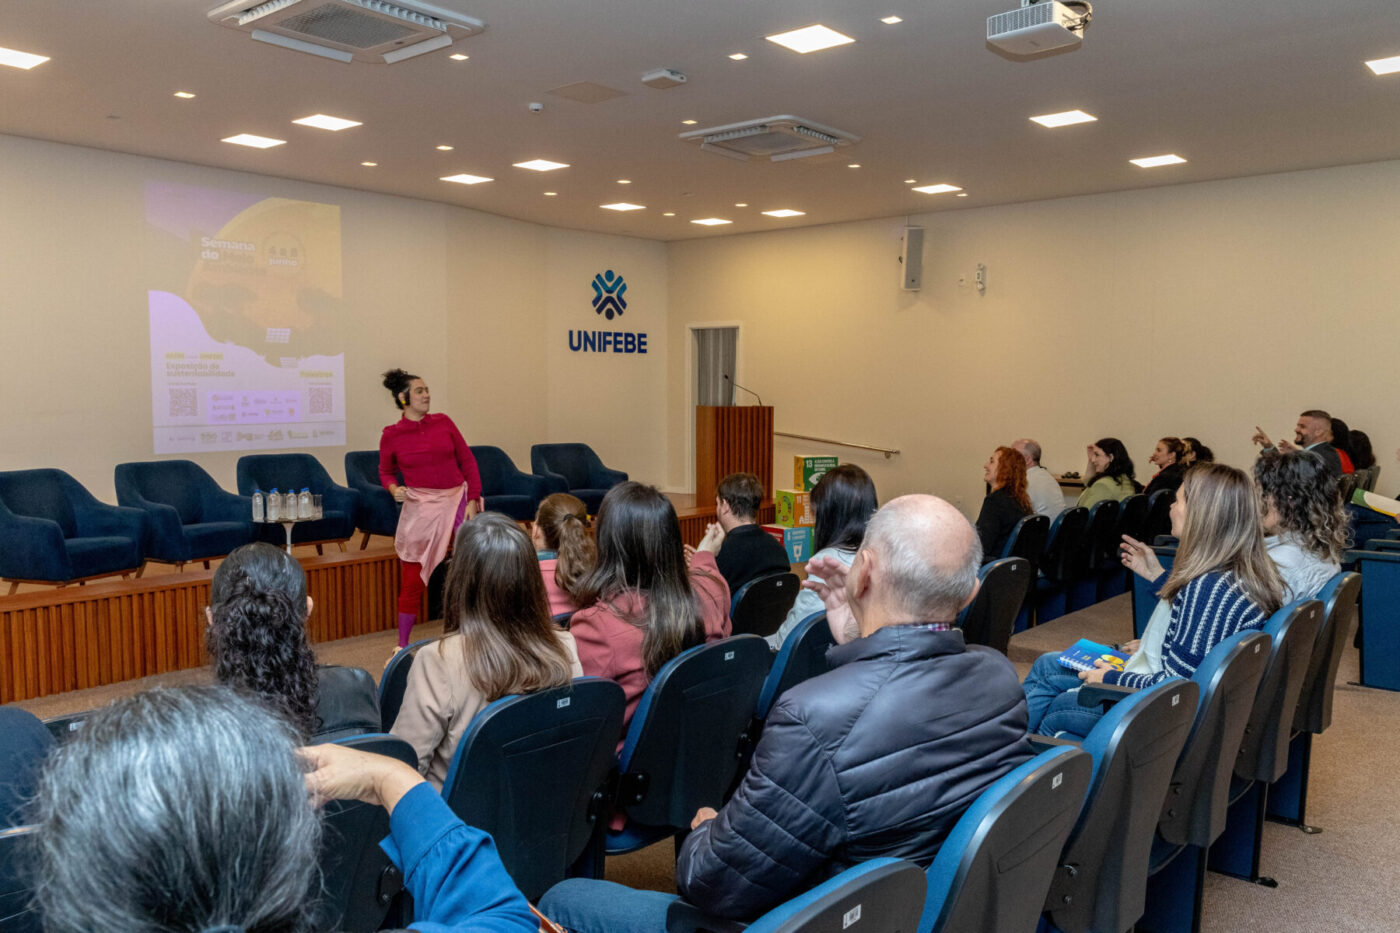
x=564, y=545
x=498, y=641
x=1221, y=583
x=642, y=605
x=1007, y=501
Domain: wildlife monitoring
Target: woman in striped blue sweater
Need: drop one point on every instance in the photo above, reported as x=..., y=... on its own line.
x=1221, y=583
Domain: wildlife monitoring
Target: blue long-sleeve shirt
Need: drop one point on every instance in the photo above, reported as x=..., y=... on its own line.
x=452, y=870
x=1205, y=612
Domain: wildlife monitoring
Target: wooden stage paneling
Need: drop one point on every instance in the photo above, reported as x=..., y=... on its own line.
x=75, y=637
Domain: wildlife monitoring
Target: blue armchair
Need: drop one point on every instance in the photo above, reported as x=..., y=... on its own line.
x=283, y=471
x=55, y=531
x=505, y=488
x=188, y=517
x=575, y=469
x=377, y=513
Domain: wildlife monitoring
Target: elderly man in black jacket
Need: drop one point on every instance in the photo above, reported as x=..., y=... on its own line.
x=877, y=757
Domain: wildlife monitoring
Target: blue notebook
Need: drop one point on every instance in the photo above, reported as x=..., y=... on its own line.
x=1081, y=656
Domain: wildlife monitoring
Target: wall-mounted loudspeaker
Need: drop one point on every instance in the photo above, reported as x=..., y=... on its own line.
x=911, y=259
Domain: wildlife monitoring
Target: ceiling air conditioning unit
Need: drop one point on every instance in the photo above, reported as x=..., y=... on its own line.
x=349, y=30
x=774, y=138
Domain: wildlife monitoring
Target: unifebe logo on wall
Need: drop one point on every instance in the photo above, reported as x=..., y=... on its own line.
x=609, y=301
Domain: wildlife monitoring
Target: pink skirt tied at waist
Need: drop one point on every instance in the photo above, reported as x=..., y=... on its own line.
x=429, y=519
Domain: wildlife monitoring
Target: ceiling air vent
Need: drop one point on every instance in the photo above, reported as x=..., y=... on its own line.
x=773, y=138
x=349, y=30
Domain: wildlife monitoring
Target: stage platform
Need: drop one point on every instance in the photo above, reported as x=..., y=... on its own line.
x=56, y=639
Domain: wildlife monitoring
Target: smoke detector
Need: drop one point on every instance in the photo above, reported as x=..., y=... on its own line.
x=349, y=30
x=774, y=138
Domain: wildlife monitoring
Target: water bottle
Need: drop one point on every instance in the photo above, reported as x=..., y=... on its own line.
x=304, y=503
x=258, y=505
x=274, y=505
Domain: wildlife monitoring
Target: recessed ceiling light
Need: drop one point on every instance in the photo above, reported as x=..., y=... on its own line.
x=1067, y=118
x=1385, y=66
x=541, y=165
x=444, y=148
x=1154, y=161
x=669, y=214
x=853, y=165
x=936, y=189
x=810, y=39
x=741, y=203
x=326, y=122
x=623, y=206
x=711, y=221
x=369, y=164
x=785, y=212
x=962, y=194
x=463, y=178
x=184, y=95
x=257, y=142
x=624, y=181
x=737, y=56
x=890, y=20
x=551, y=194
x=458, y=57
x=910, y=181
x=17, y=59
x=687, y=122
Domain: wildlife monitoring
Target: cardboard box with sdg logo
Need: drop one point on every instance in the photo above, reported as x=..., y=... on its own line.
x=796, y=541
x=808, y=471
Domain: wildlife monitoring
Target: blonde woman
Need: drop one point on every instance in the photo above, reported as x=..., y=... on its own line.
x=1221, y=583
x=499, y=641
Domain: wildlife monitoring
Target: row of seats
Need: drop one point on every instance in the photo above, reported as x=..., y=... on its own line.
x=1119, y=829
x=172, y=511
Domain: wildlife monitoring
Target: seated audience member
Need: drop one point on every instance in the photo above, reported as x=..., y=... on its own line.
x=1195, y=452
x=1167, y=459
x=842, y=502
x=1305, y=520
x=498, y=640
x=1041, y=485
x=1109, y=473
x=24, y=741
x=843, y=772
x=642, y=605
x=1007, y=502
x=565, y=549
x=1341, y=439
x=257, y=641
x=1364, y=459
x=1313, y=432
x=746, y=551
x=187, y=810
x=1221, y=583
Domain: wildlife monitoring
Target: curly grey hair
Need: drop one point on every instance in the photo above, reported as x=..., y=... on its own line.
x=176, y=810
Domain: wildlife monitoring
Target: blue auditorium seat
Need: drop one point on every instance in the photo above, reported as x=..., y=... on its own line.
x=761, y=605
x=990, y=617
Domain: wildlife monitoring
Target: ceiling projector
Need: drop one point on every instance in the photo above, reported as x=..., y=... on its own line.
x=1039, y=27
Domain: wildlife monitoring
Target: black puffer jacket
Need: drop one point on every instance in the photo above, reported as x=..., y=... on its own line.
x=879, y=756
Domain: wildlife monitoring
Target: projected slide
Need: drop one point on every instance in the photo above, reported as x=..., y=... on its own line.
x=250, y=354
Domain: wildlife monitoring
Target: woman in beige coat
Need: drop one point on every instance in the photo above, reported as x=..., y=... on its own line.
x=498, y=641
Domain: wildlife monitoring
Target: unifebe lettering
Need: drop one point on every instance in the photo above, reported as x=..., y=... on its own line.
x=607, y=341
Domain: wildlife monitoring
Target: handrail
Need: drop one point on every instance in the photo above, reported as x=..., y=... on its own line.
x=887, y=451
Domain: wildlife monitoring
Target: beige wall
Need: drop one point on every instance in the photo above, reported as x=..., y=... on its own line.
x=475, y=303
x=1195, y=309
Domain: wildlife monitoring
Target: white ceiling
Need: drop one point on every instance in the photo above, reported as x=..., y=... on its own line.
x=1238, y=87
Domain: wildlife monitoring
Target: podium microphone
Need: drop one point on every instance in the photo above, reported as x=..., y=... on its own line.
x=737, y=386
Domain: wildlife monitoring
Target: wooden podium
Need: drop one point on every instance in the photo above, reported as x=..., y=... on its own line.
x=732, y=439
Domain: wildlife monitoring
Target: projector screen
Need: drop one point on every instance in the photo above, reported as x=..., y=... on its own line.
x=250, y=354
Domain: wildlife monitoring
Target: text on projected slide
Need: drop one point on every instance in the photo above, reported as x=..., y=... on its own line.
x=247, y=341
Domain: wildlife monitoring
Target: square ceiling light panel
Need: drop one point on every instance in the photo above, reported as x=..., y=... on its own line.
x=810, y=39
x=541, y=165
x=255, y=142
x=324, y=121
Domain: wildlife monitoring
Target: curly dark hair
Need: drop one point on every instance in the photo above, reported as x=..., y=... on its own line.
x=257, y=631
x=397, y=381
x=1304, y=492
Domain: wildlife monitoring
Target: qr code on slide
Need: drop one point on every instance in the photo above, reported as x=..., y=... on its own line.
x=319, y=398
x=183, y=403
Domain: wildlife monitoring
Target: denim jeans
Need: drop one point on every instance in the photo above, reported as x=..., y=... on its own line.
x=1047, y=682
x=583, y=905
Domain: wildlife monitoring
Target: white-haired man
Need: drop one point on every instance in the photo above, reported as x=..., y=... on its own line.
x=877, y=757
x=1041, y=485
